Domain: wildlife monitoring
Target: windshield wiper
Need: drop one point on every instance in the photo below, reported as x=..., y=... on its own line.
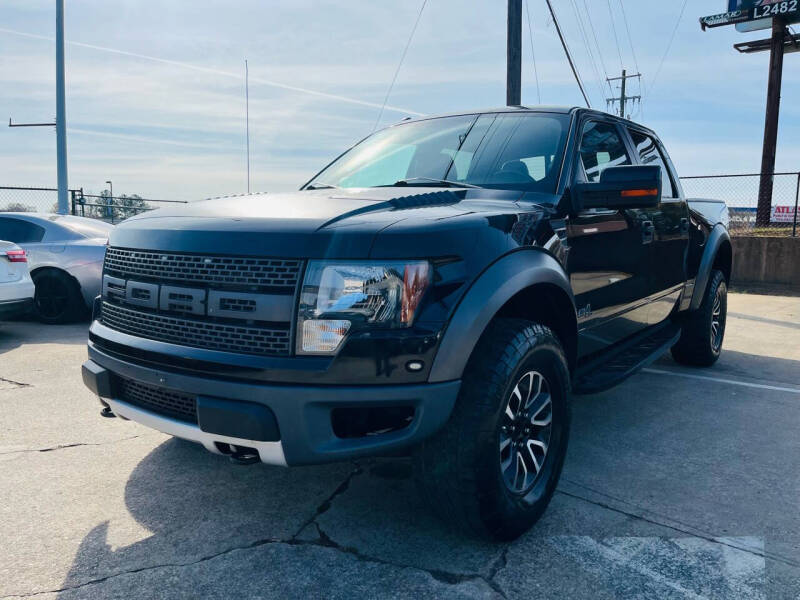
x=440, y=181
x=322, y=186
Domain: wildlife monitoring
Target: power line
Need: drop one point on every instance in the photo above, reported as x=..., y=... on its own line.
x=588, y=47
x=596, y=43
x=533, y=54
x=614, y=29
x=566, y=51
x=628, y=29
x=633, y=52
x=669, y=46
x=400, y=64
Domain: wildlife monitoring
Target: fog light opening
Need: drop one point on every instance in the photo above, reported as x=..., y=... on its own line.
x=360, y=422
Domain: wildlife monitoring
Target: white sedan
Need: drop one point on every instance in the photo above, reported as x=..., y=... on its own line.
x=16, y=286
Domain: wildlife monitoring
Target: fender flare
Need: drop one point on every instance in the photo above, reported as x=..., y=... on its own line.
x=716, y=238
x=489, y=292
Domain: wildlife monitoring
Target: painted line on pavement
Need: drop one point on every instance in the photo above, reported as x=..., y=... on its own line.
x=760, y=386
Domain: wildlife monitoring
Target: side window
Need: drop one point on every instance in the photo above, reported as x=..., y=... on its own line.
x=19, y=231
x=649, y=154
x=601, y=147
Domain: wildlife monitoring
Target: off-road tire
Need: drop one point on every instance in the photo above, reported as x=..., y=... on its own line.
x=459, y=469
x=57, y=298
x=698, y=346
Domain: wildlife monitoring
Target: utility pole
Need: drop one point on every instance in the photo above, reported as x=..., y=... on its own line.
x=514, y=54
x=247, y=117
x=623, y=97
x=61, y=111
x=764, y=211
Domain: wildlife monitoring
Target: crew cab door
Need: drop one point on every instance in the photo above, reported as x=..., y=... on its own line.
x=671, y=229
x=609, y=258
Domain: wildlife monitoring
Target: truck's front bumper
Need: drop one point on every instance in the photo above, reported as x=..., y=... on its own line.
x=292, y=423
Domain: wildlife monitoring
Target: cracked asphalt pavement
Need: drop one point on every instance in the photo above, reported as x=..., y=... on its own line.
x=680, y=483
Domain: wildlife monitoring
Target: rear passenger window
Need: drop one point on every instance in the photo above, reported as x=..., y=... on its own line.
x=19, y=231
x=649, y=154
x=601, y=147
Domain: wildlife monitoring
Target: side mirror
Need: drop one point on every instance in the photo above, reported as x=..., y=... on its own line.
x=620, y=188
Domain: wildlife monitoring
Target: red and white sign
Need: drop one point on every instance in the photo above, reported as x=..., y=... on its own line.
x=783, y=214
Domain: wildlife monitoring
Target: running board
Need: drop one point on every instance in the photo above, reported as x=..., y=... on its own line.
x=608, y=371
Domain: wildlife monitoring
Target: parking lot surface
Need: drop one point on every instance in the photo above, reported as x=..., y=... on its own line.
x=680, y=483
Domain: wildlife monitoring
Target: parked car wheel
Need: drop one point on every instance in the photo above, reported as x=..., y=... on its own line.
x=494, y=467
x=57, y=298
x=703, y=330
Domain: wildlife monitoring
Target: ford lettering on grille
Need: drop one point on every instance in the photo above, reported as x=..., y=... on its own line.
x=234, y=304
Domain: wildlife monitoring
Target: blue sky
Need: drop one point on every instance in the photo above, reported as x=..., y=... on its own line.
x=155, y=91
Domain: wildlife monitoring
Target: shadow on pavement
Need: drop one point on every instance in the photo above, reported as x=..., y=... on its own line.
x=16, y=333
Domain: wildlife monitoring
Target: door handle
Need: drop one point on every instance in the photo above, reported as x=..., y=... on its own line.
x=648, y=232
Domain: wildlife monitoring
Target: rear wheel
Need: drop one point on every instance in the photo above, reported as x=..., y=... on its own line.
x=703, y=330
x=57, y=298
x=494, y=467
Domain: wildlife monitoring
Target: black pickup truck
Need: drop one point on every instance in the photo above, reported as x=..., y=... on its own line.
x=439, y=289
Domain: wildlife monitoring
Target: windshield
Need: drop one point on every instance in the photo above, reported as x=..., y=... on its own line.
x=503, y=151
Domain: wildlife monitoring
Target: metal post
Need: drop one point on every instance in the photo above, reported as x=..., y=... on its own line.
x=514, y=54
x=247, y=118
x=796, y=199
x=110, y=201
x=765, y=187
x=61, y=111
x=622, y=95
x=72, y=202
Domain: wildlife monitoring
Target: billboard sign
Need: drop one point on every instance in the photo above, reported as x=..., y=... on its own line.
x=783, y=214
x=768, y=7
x=749, y=15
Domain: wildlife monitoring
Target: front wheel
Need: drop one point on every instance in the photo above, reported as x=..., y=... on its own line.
x=494, y=467
x=703, y=330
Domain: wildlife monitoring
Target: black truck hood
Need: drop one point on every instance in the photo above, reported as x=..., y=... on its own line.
x=307, y=224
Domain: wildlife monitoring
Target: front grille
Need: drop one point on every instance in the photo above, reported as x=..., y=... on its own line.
x=247, y=273
x=169, y=403
x=210, y=335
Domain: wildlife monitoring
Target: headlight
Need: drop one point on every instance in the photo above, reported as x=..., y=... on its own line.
x=338, y=296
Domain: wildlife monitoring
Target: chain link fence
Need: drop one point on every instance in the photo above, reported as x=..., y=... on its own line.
x=28, y=199
x=740, y=193
x=104, y=207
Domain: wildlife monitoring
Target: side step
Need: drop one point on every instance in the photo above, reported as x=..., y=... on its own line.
x=622, y=362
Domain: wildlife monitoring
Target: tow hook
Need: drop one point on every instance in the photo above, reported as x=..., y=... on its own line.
x=244, y=456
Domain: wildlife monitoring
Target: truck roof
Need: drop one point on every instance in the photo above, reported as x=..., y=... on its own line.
x=515, y=109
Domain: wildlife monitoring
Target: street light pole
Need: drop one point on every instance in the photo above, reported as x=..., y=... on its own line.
x=110, y=210
x=61, y=111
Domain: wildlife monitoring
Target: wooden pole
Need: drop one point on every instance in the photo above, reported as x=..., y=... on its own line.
x=764, y=212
